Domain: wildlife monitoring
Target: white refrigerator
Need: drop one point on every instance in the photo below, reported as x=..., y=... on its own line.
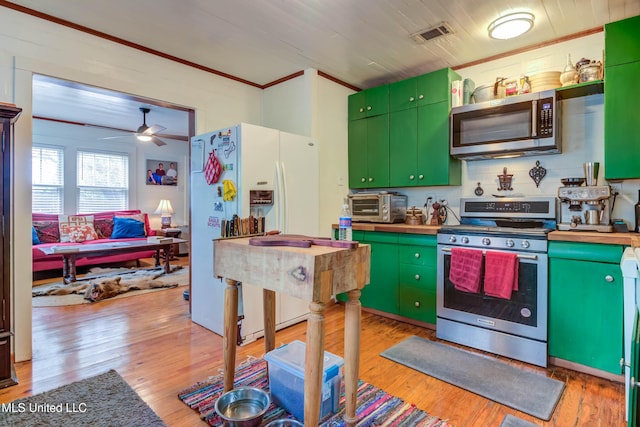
x=252, y=158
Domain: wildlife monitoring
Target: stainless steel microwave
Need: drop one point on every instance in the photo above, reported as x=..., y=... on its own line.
x=383, y=207
x=521, y=125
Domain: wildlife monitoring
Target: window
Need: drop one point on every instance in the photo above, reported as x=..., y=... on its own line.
x=47, y=177
x=102, y=181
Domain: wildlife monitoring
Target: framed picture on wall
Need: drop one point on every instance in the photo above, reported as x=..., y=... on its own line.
x=161, y=172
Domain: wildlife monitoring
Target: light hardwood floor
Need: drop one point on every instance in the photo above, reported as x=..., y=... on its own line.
x=150, y=340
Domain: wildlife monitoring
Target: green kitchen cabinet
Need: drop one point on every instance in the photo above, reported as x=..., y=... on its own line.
x=586, y=304
x=382, y=291
x=621, y=136
x=622, y=42
x=425, y=89
x=419, y=147
x=417, y=277
x=369, y=103
x=622, y=90
x=369, y=152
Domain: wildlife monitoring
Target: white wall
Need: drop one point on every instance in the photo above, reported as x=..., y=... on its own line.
x=29, y=45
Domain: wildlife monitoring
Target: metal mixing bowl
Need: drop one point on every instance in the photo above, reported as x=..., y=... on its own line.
x=243, y=406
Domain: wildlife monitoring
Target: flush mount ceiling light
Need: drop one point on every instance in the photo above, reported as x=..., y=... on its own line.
x=511, y=25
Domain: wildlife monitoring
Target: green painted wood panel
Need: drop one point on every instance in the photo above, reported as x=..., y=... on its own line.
x=417, y=292
x=357, y=160
x=402, y=94
x=586, y=251
x=435, y=165
x=585, y=313
x=357, y=103
x=622, y=42
x=436, y=86
x=403, y=148
x=369, y=103
x=378, y=151
x=382, y=293
x=621, y=135
x=418, y=240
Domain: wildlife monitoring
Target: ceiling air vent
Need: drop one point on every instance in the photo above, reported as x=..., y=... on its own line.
x=442, y=29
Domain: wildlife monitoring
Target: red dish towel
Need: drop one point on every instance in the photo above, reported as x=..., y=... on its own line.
x=500, y=274
x=466, y=269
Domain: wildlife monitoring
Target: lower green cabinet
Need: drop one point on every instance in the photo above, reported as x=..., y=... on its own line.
x=382, y=292
x=586, y=304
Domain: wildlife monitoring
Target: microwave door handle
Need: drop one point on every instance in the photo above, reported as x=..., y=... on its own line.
x=534, y=118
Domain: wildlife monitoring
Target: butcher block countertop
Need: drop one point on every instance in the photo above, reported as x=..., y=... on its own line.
x=627, y=239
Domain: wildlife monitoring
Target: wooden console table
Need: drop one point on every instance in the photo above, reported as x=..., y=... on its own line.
x=313, y=274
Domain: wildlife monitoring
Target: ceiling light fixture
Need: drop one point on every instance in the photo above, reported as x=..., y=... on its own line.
x=145, y=138
x=511, y=25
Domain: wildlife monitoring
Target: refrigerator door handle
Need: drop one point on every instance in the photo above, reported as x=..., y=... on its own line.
x=278, y=196
x=284, y=203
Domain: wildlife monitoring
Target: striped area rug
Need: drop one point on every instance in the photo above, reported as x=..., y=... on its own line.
x=375, y=407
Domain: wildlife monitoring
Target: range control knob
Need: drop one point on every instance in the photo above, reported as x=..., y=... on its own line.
x=452, y=239
x=510, y=243
x=465, y=240
x=525, y=244
x=486, y=241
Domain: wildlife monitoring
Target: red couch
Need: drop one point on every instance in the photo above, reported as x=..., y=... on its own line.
x=46, y=226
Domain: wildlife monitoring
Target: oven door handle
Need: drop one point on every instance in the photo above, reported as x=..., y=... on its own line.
x=533, y=257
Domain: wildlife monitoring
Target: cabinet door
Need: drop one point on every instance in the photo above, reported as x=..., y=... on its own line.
x=436, y=86
x=435, y=165
x=417, y=292
x=621, y=136
x=585, y=313
x=403, y=139
x=358, y=154
x=378, y=151
x=402, y=95
x=382, y=293
x=377, y=100
x=622, y=42
x=357, y=103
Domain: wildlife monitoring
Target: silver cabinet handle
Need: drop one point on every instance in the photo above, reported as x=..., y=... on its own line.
x=533, y=257
x=420, y=176
x=362, y=110
x=633, y=382
x=608, y=278
x=363, y=179
x=411, y=99
x=417, y=277
x=411, y=177
x=417, y=255
x=370, y=179
x=417, y=304
x=421, y=96
x=368, y=107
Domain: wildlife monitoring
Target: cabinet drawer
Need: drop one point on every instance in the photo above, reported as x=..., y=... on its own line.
x=418, y=276
x=418, y=255
x=418, y=304
x=5, y=358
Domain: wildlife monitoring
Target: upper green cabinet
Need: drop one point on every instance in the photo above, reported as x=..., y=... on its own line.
x=369, y=103
x=622, y=68
x=622, y=40
x=422, y=90
x=369, y=152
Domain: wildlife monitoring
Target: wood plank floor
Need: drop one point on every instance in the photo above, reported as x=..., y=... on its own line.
x=150, y=340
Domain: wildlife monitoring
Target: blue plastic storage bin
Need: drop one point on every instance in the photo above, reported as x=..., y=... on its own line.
x=286, y=379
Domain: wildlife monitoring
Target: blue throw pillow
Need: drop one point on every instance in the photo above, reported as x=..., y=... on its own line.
x=34, y=236
x=127, y=228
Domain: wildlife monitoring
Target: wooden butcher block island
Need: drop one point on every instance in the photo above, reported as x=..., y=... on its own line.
x=313, y=274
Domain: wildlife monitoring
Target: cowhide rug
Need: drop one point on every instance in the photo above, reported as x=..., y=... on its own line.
x=107, y=283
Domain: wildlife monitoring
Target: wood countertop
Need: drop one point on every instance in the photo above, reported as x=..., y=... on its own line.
x=627, y=239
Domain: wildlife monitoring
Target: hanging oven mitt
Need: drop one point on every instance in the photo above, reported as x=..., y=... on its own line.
x=213, y=169
x=229, y=190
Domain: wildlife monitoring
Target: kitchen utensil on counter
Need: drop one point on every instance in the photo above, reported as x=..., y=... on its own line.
x=414, y=216
x=572, y=182
x=591, y=170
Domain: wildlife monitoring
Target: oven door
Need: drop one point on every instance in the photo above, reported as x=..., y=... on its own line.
x=525, y=314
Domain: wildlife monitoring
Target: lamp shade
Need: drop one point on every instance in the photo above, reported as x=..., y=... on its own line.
x=164, y=208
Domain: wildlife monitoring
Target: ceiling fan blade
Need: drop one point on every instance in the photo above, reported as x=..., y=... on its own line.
x=158, y=141
x=115, y=137
x=154, y=129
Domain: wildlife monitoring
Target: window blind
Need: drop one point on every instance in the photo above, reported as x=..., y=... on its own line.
x=47, y=179
x=102, y=181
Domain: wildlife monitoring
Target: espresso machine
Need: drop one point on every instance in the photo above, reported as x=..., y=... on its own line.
x=585, y=207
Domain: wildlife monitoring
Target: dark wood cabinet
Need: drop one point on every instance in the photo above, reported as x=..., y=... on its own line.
x=8, y=115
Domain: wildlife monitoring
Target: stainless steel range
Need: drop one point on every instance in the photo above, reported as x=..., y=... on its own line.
x=515, y=327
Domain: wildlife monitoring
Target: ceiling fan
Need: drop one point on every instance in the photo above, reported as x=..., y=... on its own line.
x=144, y=132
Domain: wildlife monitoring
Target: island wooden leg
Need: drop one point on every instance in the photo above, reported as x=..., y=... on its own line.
x=269, y=312
x=352, y=320
x=229, y=333
x=314, y=364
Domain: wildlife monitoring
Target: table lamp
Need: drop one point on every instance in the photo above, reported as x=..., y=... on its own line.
x=165, y=210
